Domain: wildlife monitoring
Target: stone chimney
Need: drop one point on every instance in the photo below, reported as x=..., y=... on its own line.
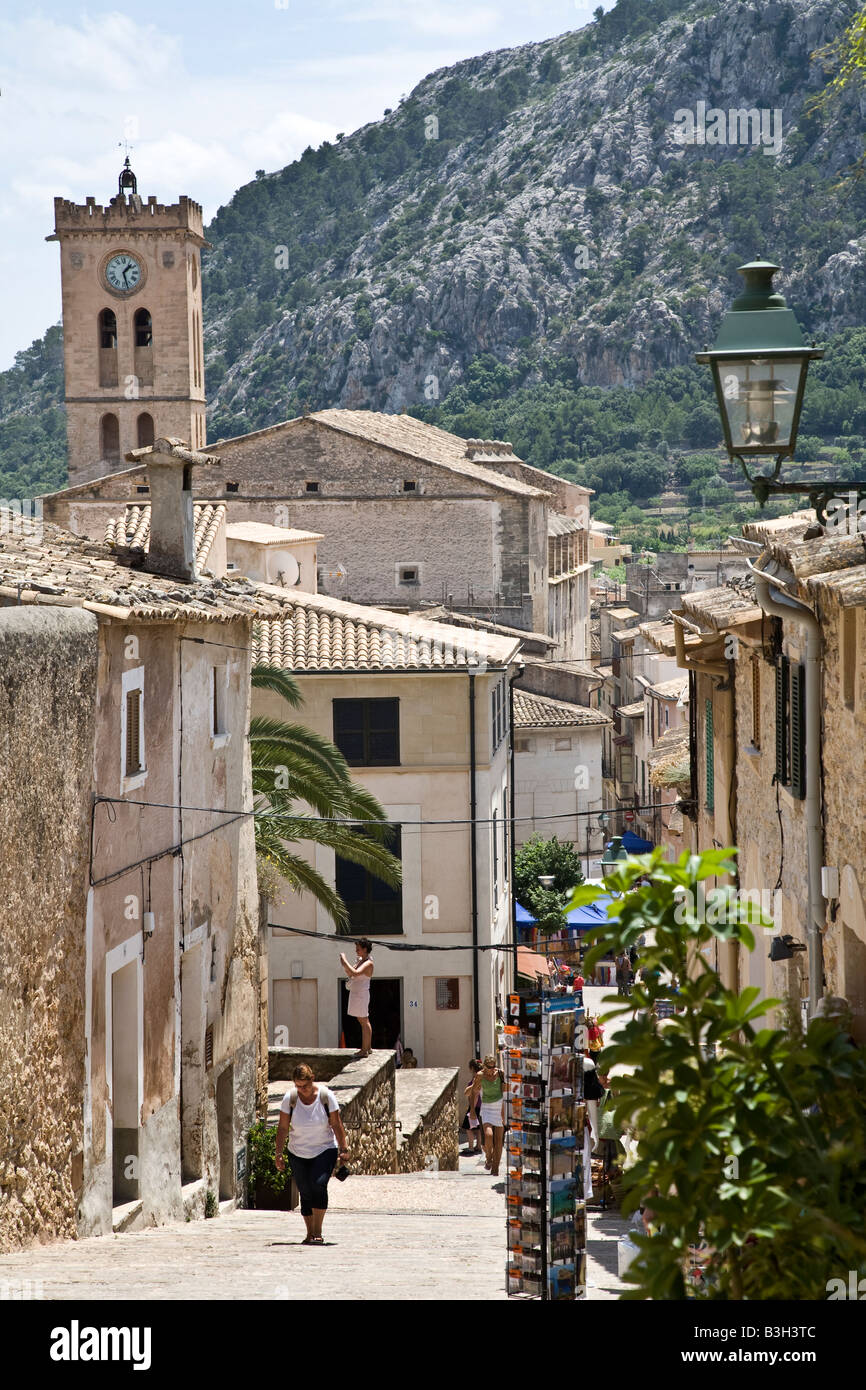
x=169, y=465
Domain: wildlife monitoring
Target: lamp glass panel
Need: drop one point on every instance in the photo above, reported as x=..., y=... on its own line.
x=760, y=397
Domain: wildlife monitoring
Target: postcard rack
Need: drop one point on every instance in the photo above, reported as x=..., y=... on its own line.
x=545, y=1120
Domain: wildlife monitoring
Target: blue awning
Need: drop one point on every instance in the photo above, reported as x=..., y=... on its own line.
x=581, y=918
x=634, y=844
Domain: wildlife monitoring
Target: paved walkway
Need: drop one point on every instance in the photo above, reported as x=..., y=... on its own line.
x=413, y=1236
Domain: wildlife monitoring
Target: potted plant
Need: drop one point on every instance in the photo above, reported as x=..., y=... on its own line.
x=270, y=1189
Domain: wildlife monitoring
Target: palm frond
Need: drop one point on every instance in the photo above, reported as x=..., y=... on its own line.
x=305, y=879
x=264, y=677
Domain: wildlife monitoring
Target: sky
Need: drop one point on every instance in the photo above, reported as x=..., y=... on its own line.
x=205, y=94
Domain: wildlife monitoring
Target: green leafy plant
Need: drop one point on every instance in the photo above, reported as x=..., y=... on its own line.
x=750, y=1140
x=539, y=857
x=211, y=1205
x=264, y=1173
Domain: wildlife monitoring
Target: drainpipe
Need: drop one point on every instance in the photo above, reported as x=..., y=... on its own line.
x=473, y=859
x=773, y=599
x=512, y=837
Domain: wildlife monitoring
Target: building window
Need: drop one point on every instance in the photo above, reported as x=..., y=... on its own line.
x=710, y=757
x=108, y=329
x=849, y=657
x=562, y=745
x=312, y=487
x=109, y=440
x=231, y=487
x=145, y=430
x=448, y=994
x=498, y=713
x=409, y=574
x=374, y=907
x=367, y=732
x=523, y=745
x=142, y=487
x=143, y=328
x=409, y=485
x=495, y=828
x=506, y=863
x=217, y=701
x=132, y=763
x=132, y=760
x=797, y=707
x=756, y=702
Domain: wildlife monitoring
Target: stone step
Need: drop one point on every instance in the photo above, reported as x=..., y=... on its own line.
x=127, y=1217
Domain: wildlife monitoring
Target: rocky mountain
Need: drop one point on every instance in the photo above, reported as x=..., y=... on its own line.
x=569, y=212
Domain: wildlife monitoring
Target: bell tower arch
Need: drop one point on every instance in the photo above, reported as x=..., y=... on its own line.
x=132, y=324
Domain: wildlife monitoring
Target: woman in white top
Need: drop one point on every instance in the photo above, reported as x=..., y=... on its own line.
x=310, y=1116
x=360, y=976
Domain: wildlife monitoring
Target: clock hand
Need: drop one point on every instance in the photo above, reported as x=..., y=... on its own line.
x=125, y=273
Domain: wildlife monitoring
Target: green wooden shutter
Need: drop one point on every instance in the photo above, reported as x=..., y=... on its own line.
x=798, y=731
x=711, y=779
x=782, y=720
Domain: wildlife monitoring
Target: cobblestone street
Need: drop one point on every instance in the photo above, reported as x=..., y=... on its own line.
x=417, y=1236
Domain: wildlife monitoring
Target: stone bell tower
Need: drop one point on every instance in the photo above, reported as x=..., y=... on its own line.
x=132, y=330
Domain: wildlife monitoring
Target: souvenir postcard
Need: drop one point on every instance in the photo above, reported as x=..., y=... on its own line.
x=578, y=1123
x=560, y=1114
x=560, y=1028
x=561, y=1073
x=580, y=1228
x=563, y=1192
x=562, y=1243
x=562, y=1156
x=561, y=1282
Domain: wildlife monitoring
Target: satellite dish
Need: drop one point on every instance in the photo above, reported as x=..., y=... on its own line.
x=289, y=572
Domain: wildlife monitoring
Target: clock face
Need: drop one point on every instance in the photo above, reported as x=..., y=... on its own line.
x=123, y=273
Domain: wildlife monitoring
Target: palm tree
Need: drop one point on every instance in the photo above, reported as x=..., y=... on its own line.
x=292, y=764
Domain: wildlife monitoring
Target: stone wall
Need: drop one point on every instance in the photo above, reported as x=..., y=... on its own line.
x=365, y=1094
x=427, y=1110
x=47, y=702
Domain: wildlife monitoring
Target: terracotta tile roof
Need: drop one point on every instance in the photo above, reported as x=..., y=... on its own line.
x=131, y=531
x=539, y=711
x=673, y=689
x=563, y=525
x=632, y=711
x=719, y=608
x=51, y=566
x=262, y=533
x=669, y=761
x=314, y=632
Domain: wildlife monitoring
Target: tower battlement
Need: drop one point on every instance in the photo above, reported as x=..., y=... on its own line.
x=128, y=214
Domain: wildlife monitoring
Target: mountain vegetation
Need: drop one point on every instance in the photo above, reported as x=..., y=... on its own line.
x=522, y=248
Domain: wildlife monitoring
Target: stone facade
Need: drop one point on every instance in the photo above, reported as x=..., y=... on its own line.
x=161, y=381
x=47, y=723
x=734, y=755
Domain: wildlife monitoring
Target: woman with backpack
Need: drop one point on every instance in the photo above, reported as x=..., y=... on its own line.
x=490, y=1085
x=310, y=1116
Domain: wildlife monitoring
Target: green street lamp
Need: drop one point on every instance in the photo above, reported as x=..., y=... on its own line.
x=759, y=365
x=613, y=853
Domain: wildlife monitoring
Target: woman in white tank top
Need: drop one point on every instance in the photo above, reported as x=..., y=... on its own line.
x=360, y=975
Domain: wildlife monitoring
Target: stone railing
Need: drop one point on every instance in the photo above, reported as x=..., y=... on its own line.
x=427, y=1111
